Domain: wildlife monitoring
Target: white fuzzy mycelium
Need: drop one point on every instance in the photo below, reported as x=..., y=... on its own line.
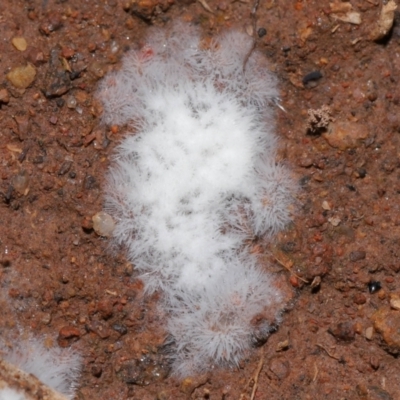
x=11, y=394
x=194, y=182
x=57, y=368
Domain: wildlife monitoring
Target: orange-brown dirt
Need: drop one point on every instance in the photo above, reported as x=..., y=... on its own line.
x=339, y=337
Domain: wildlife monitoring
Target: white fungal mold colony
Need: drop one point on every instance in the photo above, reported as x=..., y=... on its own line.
x=194, y=182
x=58, y=369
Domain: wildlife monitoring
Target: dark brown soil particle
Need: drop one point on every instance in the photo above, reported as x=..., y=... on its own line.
x=343, y=331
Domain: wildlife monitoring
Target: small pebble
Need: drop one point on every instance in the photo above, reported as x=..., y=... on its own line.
x=53, y=22
x=19, y=43
x=46, y=318
x=375, y=362
x=189, y=384
x=282, y=345
x=345, y=134
x=381, y=295
x=20, y=183
x=67, y=334
x=67, y=52
x=92, y=47
x=128, y=269
x=361, y=173
x=4, y=96
x=294, y=281
x=343, y=331
x=326, y=206
x=53, y=120
x=103, y=224
x=89, y=182
x=357, y=255
x=280, y=368
x=97, y=69
x=369, y=332
x=395, y=301
x=360, y=299
x=306, y=162
x=334, y=221
x=358, y=327
x=120, y=328
x=60, y=102
x=105, y=308
x=386, y=322
x=100, y=329
x=249, y=30
x=163, y=395
x=35, y=56
x=71, y=102
x=21, y=77
x=261, y=32
x=87, y=223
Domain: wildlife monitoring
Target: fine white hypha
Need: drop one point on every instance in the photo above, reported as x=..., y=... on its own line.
x=195, y=180
x=11, y=394
x=57, y=368
x=213, y=326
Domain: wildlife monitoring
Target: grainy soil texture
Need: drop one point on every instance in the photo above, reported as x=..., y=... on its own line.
x=338, y=66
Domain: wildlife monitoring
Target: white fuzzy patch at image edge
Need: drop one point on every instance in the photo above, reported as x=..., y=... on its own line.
x=57, y=368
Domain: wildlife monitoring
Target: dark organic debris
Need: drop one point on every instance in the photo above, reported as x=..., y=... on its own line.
x=357, y=255
x=57, y=80
x=374, y=286
x=261, y=32
x=343, y=331
x=143, y=371
x=312, y=76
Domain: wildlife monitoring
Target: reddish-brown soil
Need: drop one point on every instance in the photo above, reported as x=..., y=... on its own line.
x=338, y=339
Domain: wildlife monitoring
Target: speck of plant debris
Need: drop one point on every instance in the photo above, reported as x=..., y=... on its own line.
x=352, y=188
x=312, y=76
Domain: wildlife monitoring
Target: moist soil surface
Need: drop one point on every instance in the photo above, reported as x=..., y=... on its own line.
x=338, y=65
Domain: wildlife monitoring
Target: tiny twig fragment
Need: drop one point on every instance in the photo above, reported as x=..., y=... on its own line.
x=256, y=376
x=206, y=6
x=287, y=264
x=254, y=23
x=327, y=352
